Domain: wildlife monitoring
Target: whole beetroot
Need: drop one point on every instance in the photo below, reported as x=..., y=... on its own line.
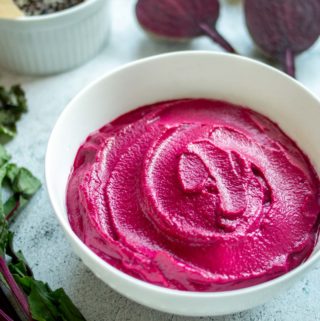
x=283, y=28
x=181, y=19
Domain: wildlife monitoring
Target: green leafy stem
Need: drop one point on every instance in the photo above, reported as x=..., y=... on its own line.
x=22, y=297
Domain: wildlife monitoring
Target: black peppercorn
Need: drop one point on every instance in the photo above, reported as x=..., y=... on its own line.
x=41, y=7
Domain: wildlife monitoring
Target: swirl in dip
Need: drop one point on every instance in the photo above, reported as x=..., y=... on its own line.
x=195, y=194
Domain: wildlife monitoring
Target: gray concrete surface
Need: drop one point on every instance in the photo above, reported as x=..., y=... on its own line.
x=38, y=233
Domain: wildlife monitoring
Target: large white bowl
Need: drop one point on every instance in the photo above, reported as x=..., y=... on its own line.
x=56, y=42
x=186, y=74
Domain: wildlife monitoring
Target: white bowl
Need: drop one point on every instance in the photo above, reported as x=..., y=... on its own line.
x=56, y=42
x=179, y=75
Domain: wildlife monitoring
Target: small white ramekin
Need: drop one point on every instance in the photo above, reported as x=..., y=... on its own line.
x=56, y=42
x=179, y=75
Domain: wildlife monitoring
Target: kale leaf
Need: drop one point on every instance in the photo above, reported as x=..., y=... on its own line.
x=13, y=104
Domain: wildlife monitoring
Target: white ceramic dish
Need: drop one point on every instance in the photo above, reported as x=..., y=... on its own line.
x=55, y=42
x=179, y=75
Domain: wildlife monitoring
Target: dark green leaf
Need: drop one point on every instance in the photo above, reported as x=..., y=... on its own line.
x=27, y=296
x=18, y=264
x=20, y=99
x=4, y=236
x=10, y=206
x=13, y=104
x=12, y=172
x=18, y=269
x=45, y=304
x=13, y=205
x=7, y=133
x=3, y=172
x=68, y=311
x=7, y=117
x=25, y=183
x=4, y=156
x=41, y=302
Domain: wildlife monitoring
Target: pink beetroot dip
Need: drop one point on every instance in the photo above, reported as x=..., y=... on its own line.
x=195, y=194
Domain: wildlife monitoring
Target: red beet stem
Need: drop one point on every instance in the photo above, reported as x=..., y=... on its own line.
x=216, y=37
x=10, y=215
x=16, y=291
x=4, y=317
x=289, y=65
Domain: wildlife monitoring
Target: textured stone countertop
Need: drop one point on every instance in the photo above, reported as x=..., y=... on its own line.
x=38, y=232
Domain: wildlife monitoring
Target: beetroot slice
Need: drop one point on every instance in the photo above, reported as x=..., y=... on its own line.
x=181, y=19
x=283, y=28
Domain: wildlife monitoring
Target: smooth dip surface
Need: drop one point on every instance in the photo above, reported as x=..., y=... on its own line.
x=195, y=194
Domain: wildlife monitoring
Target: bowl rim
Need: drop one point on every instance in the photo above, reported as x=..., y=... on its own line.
x=126, y=277
x=54, y=15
